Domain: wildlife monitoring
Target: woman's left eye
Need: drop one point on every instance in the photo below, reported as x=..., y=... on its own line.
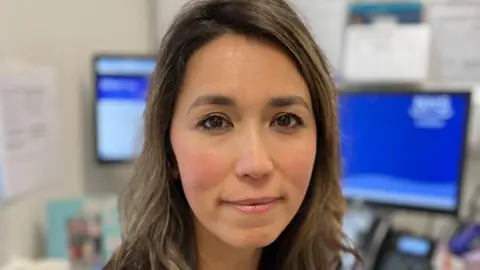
x=288, y=121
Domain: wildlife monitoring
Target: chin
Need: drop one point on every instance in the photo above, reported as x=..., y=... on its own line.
x=252, y=238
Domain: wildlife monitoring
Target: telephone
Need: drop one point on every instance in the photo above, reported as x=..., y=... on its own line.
x=403, y=251
x=386, y=249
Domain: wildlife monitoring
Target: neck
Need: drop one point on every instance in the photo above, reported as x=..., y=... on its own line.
x=213, y=254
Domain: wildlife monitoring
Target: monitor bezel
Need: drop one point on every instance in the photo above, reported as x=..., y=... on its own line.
x=466, y=129
x=95, y=74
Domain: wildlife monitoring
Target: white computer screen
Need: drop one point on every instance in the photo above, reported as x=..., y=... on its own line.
x=121, y=85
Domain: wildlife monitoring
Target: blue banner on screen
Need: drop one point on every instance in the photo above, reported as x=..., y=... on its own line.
x=403, y=149
x=121, y=89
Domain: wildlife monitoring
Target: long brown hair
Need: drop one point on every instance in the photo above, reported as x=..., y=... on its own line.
x=157, y=223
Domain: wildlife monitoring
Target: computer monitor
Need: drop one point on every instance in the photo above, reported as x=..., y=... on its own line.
x=121, y=84
x=404, y=149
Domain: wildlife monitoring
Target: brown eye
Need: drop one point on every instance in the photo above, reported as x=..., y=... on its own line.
x=288, y=121
x=284, y=121
x=214, y=123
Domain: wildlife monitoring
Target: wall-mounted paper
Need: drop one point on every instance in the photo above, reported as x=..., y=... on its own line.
x=27, y=129
x=456, y=42
x=386, y=43
x=387, y=55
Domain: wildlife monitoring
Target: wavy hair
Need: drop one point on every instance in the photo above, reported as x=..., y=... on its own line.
x=156, y=219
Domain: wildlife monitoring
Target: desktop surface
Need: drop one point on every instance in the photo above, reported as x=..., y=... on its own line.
x=404, y=149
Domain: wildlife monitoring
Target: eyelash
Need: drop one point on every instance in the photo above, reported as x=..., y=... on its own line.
x=298, y=122
x=203, y=123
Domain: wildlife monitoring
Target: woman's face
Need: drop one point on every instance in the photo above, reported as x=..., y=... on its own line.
x=244, y=137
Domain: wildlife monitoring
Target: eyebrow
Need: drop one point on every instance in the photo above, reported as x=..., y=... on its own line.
x=287, y=101
x=275, y=102
x=212, y=100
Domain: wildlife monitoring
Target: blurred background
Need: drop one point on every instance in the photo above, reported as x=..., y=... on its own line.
x=407, y=71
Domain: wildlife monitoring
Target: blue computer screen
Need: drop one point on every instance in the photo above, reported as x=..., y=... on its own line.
x=121, y=88
x=403, y=149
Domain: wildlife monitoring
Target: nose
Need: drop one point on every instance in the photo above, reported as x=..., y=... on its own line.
x=254, y=160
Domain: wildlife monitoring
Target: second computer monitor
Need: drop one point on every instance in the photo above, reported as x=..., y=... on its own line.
x=404, y=149
x=121, y=84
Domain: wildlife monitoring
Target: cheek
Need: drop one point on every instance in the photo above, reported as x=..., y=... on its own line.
x=201, y=171
x=297, y=164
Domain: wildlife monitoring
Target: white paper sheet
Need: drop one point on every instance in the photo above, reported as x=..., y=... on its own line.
x=27, y=129
x=387, y=53
x=456, y=42
x=326, y=20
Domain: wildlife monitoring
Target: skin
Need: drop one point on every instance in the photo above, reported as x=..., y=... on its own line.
x=243, y=128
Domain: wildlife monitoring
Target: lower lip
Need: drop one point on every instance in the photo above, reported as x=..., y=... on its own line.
x=254, y=209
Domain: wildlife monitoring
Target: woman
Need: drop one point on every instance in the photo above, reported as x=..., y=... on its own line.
x=240, y=164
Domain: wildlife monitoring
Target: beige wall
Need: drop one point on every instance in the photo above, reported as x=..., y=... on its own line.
x=64, y=34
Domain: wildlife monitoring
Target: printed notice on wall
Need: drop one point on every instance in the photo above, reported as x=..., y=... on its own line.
x=456, y=42
x=386, y=43
x=27, y=129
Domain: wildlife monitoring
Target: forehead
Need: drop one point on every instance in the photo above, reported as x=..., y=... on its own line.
x=242, y=68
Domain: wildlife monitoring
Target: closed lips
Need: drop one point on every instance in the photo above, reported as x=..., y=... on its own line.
x=260, y=201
